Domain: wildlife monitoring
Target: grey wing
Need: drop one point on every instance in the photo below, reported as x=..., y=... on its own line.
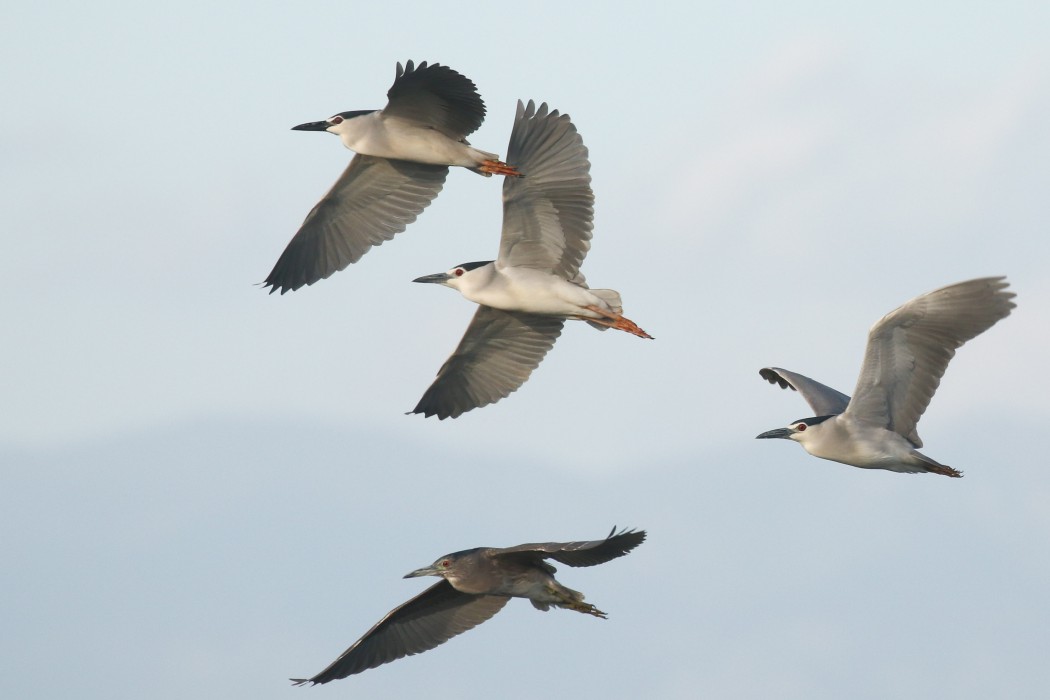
x=910, y=347
x=437, y=96
x=428, y=620
x=824, y=400
x=589, y=553
x=548, y=214
x=495, y=357
x=373, y=200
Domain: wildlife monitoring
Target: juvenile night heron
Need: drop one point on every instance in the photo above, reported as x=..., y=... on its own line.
x=475, y=585
x=908, y=351
x=403, y=155
x=528, y=292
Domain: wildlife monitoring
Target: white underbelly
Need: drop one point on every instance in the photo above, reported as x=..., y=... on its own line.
x=402, y=140
x=538, y=292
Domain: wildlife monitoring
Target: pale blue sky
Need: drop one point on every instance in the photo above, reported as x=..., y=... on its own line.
x=207, y=490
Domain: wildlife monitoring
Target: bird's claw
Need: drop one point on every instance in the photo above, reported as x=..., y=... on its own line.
x=617, y=321
x=588, y=609
x=498, y=167
x=626, y=324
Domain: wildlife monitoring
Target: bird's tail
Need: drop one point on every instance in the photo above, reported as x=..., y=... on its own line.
x=611, y=297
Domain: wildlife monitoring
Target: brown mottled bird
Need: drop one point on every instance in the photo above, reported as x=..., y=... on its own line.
x=475, y=585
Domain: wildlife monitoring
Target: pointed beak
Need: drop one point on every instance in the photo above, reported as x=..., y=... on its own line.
x=439, y=278
x=778, y=433
x=425, y=571
x=312, y=126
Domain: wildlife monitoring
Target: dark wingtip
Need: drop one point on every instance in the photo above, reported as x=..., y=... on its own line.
x=267, y=283
x=275, y=287
x=634, y=538
x=275, y=283
x=300, y=681
x=428, y=412
x=429, y=408
x=774, y=377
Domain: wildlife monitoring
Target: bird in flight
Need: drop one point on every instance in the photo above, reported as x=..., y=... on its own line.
x=908, y=351
x=475, y=585
x=403, y=153
x=531, y=289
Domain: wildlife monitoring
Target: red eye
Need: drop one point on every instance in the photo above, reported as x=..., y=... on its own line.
x=336, y=120
x=801, y=427
x=459, y=272
x=445, y=564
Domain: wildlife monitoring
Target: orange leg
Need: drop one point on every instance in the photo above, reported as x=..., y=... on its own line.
x=617, y=321
x=498, y=167
x=945, y=470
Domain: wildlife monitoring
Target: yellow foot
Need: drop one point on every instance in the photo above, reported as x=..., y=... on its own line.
x=941, y=469
x=580, y=606
x=498, y=167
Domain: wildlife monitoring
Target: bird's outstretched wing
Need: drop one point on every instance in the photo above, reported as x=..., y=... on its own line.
x=548, y=214
x=824, y=400
x=589, y=553
x=437, y=96
x=428, y=620
x=910, y=347
x=374, y=199
x=495, y=357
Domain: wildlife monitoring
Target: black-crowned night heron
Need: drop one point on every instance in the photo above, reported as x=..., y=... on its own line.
x=908, y=351
x=528, y=292
x=403, y=154
x=475, y=585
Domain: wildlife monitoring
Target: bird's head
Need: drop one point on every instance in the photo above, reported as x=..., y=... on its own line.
x=339, y=124
x=450, y=566
x=454, y=277
x=796, y=431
